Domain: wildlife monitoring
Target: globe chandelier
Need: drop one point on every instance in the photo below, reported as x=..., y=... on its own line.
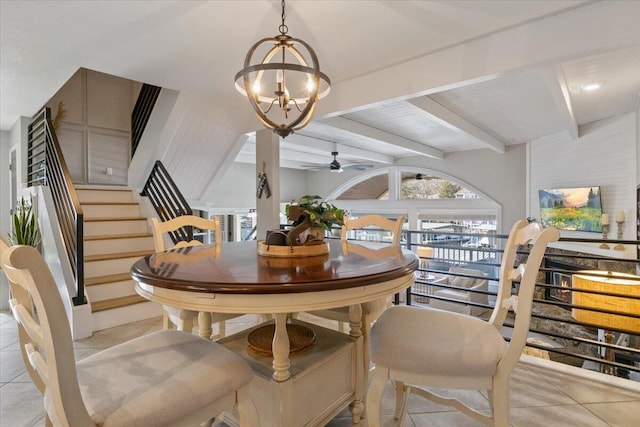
x=285, y=85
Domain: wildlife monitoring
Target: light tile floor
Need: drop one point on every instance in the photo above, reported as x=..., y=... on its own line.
x=539, y=397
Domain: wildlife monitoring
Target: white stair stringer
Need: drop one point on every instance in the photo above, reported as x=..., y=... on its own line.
x=126, y=314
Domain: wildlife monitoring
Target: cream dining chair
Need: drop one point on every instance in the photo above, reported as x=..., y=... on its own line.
x=370, y=310
x=167, y=377
x=185, y=320
x=425, y=347
x=21, y=294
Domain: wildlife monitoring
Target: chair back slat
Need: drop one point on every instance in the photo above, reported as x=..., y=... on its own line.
x=160, y=228
x=24, y=318
x=379, y=221
x=37, y=362
x=522, y=233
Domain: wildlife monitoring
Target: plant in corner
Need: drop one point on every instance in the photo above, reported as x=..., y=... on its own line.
x=25, y=225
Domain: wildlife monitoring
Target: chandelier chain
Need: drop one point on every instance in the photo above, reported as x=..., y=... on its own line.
x=283, y=28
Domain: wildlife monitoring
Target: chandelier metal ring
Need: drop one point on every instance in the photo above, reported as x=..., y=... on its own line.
x=274, y=80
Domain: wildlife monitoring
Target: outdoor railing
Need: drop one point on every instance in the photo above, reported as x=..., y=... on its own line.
x=46, y=166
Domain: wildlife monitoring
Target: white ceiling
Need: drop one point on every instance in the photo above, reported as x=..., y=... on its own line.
x=198, y=46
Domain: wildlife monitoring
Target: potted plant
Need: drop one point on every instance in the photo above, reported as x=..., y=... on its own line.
x=321, y=215
x=25, y=225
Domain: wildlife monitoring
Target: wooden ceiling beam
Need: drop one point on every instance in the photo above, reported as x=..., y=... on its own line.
x=366, y=131
x=451, y=120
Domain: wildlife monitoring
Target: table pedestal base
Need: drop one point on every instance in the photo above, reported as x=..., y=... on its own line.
x=322, y=382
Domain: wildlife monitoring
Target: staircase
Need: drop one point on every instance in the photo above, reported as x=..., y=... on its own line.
x=116, y=235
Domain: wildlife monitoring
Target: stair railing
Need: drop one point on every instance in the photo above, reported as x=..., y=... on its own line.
x=141, y=112
x=167, y=200
x=46, y=166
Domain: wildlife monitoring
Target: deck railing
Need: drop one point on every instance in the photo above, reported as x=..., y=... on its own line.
x=556, y=331
x=46, y=166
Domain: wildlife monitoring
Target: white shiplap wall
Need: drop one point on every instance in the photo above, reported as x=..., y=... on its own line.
x=604, y=155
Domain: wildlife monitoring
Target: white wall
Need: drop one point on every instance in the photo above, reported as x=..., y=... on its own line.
x=5, y=191
x=5, y=200
x=237, y=188
x=9, y=140
x=606, y=155
x=638, y=143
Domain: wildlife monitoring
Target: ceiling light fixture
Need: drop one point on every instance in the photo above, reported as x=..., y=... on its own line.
x=335, y=165
x=592, y=86
x=293, y=86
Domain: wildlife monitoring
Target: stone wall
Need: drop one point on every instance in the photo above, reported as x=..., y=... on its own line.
x=558, y=320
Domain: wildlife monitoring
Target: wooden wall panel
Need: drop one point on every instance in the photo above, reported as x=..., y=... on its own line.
x=72, y=143
x=97, y=114
x=72, y=95
x=108, y=101
x=108, y=149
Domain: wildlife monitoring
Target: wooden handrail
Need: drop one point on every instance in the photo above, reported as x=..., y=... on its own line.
x=46, y=166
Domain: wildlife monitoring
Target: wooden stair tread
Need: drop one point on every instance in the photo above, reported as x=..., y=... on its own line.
x=127, y=218
x=112, y=303
x=103, y=257
x=84, y=187
x=117, y=236
x=110, y=278
x=109, y=203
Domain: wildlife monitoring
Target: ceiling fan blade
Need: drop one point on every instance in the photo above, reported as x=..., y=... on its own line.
x=357, y=167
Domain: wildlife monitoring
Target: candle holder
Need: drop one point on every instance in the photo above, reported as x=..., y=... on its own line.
x=605, y=234
x=619, y=247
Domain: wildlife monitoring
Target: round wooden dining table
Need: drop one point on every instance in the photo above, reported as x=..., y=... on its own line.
x=234, y=278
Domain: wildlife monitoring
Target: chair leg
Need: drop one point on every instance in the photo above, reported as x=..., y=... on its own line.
x=366, y=331
x=404, y=405
x=166, y=321
x=186, y=325
x=247, y=410
x=222, y=329
x=379, y=380
x=400, y=389
x=499, y=399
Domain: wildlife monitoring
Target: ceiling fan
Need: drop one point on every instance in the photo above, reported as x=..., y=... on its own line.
x=336, y=166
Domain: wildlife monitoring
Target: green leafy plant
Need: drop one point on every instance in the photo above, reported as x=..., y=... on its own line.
x=322, y=214
x=25, y=225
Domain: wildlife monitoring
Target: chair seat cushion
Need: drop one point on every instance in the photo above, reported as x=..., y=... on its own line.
x=158, y=378
x=430, y=341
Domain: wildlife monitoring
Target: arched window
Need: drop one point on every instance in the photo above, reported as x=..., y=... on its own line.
x=375, y=187
x=429, y=199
